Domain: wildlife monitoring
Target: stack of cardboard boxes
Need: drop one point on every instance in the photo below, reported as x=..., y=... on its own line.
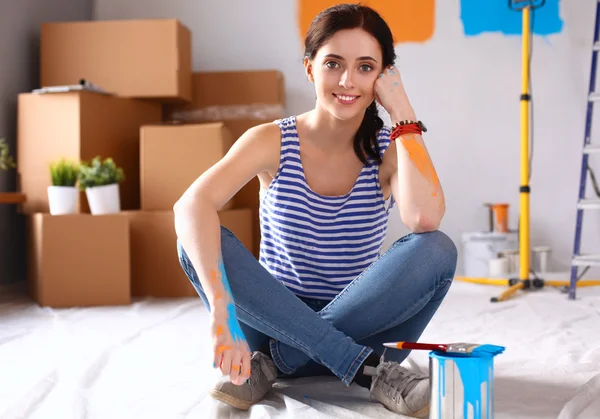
x=162, y=123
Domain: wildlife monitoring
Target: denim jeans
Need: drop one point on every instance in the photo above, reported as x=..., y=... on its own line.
x=392, y=300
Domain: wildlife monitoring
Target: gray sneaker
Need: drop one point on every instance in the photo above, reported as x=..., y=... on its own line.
x=399, y=389
x=262, y=377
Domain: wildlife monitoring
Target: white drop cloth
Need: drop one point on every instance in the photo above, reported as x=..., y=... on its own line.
x=152, y=360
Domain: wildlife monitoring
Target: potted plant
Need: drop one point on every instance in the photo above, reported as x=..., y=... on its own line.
x=100, y=180
x=63, y=194
x=6, y=159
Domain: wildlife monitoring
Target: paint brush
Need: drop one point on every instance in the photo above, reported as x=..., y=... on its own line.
x=458, y=348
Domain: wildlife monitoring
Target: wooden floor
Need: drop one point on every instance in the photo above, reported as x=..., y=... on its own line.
x=12, y=198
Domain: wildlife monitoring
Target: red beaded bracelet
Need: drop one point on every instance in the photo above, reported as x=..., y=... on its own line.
x=411, y=128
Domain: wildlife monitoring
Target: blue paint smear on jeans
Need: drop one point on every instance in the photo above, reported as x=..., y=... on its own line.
x=480, y=16
x=474, y=371
x=232, y=321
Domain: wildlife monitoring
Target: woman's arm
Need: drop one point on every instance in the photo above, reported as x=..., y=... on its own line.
x=415, y=184
x=198, y=229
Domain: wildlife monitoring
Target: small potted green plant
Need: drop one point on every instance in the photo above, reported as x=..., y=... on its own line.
x=6, y=159
x=100, y=180
x=63, y=193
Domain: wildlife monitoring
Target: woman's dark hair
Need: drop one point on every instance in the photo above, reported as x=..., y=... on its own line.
x=351, y=16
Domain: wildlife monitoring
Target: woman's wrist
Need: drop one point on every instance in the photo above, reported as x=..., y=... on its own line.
x=218, y=307
x=403, y=115
x=402, y=110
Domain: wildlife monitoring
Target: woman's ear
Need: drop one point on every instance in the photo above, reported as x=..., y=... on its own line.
x=308, y=70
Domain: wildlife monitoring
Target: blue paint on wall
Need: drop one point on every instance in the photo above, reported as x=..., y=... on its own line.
x=480, y=16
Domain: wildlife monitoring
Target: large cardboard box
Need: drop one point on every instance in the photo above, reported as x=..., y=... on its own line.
x=241, y=100
x=173, y=156
x=78, y=260
x=155, y=268
x=144, y=58
x=79, y=126
x=227, y=95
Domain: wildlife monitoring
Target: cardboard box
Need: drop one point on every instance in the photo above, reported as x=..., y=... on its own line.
x=79, y=126
x=173, y=156
x=78, y=260
x=155, y=268
x=148, y=59
x=241, y=100
x=239, y=222
x=229, y=95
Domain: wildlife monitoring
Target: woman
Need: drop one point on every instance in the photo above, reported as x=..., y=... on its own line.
x=322, y=299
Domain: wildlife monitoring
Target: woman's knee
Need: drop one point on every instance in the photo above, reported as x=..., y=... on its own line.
x=435, y=247
x=441, y=250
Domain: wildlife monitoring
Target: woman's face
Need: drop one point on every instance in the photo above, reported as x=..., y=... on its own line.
x=344, y=72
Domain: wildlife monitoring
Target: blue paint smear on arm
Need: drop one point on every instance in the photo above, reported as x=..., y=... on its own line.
x=232, y=321
x=494, y=16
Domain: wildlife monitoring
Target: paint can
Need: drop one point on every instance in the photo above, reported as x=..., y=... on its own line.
x=498, y=214
x=513, y=260
x=498, y=267
x=478, y=248
x=500, y=218
x=462, y=386
x=540, y=258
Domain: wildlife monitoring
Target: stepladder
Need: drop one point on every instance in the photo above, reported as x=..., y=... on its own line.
x=587, y=200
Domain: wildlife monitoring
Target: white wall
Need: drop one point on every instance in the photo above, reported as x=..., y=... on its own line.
x=466, y=90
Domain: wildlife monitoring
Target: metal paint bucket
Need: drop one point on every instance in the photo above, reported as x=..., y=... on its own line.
x=462, y=387
x=480, y=247
x=540, y=258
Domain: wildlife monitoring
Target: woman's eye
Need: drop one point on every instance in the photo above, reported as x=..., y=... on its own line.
x=331, y=64
x=366, y=68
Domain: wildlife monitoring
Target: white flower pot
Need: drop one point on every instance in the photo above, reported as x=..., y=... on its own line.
x=62, y=199
x=104, y=199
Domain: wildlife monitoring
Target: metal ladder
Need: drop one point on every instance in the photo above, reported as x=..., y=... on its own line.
x=582, y=259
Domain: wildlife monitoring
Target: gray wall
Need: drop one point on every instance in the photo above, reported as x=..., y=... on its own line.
x=19, y=61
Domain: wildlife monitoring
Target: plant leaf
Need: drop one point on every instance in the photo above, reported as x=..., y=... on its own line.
x=99, y=172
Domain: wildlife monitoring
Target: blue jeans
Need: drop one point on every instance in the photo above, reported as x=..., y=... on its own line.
x=392, y=300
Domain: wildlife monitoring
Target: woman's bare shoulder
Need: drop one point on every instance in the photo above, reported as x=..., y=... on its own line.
x=263, y=141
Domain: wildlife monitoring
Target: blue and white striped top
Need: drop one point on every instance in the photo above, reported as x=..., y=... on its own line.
x=314, y=244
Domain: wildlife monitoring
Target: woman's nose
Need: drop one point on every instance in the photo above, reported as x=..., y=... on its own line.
x=346, y=80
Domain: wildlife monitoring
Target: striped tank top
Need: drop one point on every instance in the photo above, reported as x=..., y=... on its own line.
x=314, y=244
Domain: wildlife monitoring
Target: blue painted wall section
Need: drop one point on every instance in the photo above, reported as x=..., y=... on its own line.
x=481, y=16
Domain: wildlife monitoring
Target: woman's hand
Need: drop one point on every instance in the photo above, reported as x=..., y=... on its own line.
x=390, y=93
x=231, y=351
